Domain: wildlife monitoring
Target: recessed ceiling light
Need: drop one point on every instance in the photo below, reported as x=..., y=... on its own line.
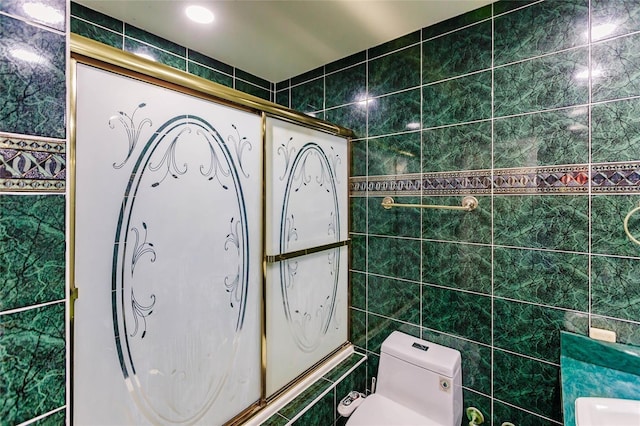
x=199, y=14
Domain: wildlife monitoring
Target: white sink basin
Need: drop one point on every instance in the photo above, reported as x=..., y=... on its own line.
x=607, y=412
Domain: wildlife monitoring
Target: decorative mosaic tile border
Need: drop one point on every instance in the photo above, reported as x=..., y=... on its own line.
x=37, y=164
x=616, y=177
x=470, y=182
x=565, y=179
x=574, y=179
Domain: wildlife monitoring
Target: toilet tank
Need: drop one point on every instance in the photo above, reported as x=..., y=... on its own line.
x=422, y=376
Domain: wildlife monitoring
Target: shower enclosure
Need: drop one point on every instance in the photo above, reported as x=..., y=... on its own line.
x=209, y=248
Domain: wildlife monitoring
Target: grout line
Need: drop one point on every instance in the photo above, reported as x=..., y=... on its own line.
x=540, y=305
x=366, y=251
x=214, y=70
x=322, y=76
x=501, y=246
x=471, y=243
x=457, y=29
x=527, y=411
x=444, y=126
x=324, y=92
x=406, y=132
x=336, y=401
x=480, y=294
x=523, y=114
x=492, y=347
x=408, y=46
x=42, y=416
x=376, y=97
x=330, y=72
x=499, y=170
x=544, y=55
x=612, y=38
x=402, y=280
x=422, y=214
x=311, y=404
x=153, y=46
x=31, y=307
x=542, y=111
x=455, y=336
x=426, y=328
x=456, y=77
x=279, y=415
x=123, y=32
x=590, y=183
x=516, y=9
x=493, y=248
x=36, y=24
x=616, y=319
x=529, y=357
x=548, y=250
x=476, y=391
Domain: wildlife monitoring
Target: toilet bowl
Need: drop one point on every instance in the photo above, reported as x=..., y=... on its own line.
x=419, y=383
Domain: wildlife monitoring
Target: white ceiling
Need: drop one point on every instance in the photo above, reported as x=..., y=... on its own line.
x=278, y=39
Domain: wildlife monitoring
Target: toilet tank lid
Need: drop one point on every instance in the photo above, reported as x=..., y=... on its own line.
x=428, y=355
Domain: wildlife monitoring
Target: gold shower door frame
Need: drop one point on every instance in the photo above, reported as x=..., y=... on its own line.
x=89, y=52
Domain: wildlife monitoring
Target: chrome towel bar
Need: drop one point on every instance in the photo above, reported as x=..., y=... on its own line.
x=293, y=254
x=468, y=203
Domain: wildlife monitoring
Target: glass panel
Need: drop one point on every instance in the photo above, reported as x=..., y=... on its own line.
x=306, y=207
x=306, y=187
x=306, y=313
x=168, y=255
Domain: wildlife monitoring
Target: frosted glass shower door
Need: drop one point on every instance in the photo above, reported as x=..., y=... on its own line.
x=167, y=255
x=306, y=291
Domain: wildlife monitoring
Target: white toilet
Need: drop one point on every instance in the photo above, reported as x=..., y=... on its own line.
x=418, y=383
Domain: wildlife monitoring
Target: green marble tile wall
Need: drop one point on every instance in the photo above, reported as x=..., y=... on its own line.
x=32, y=213
x=539, y=121
x=113, y=32
x=531, y=106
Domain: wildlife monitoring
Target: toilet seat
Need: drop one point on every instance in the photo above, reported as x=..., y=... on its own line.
x=376, y=410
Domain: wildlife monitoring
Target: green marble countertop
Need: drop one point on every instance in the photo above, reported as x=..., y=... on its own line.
x=593, y=368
